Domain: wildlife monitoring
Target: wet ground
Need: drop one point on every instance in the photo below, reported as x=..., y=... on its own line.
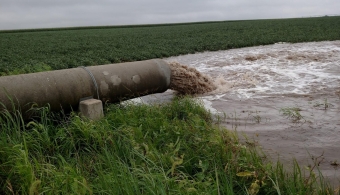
x=283, y=97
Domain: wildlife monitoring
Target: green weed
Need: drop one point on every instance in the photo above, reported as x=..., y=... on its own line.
x=292, y=113
x=323, y=105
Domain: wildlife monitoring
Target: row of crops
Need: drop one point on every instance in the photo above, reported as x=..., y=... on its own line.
x=38, y=50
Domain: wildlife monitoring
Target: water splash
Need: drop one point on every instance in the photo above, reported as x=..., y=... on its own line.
x=187, y=80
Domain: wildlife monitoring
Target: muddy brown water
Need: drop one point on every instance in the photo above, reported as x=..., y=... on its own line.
x=257, y=86
x=316, y=134
x=187, y=80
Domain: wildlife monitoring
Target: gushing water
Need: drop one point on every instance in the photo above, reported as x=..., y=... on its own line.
x=249, y=86
x=277, y=69
x=252, y=85
x=187, y=80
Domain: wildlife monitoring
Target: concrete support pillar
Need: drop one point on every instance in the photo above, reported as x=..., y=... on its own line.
x=91, y=108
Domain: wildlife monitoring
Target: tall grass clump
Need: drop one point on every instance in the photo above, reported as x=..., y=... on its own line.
x=170, y=148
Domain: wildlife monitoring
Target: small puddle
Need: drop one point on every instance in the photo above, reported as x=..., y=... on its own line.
x=285, y=97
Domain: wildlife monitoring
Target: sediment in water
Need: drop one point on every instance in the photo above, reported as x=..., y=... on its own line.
x=187, y=80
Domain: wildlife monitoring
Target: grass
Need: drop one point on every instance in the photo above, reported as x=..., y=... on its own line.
x=172, y=148
x=292, y=113
x=26, y=51
x=323, y=105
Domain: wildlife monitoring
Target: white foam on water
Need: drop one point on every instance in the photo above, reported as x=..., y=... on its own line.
x=208, y=106
x=260, y=71
x=134, y=101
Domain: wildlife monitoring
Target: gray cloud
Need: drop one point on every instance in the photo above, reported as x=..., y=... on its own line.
x=21, y=14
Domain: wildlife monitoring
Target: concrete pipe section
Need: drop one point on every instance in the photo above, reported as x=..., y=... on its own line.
x=64, y=89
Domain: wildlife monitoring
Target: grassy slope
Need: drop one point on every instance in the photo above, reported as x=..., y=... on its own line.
x=172, y=148
x=32, y=51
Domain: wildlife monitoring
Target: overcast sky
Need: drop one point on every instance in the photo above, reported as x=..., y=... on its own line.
x=22, y=14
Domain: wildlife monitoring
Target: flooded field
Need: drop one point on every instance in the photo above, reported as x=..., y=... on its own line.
x=283, y=97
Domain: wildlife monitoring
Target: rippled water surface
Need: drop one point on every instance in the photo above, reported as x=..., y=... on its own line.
x=285, y=97
x=281, y=68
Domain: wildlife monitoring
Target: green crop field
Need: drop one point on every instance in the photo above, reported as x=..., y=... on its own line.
x=34, y=50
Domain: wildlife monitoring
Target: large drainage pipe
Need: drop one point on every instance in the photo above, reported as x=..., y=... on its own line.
x=63, y=89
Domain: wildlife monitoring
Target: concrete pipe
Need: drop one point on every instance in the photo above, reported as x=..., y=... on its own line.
x=63, y=89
